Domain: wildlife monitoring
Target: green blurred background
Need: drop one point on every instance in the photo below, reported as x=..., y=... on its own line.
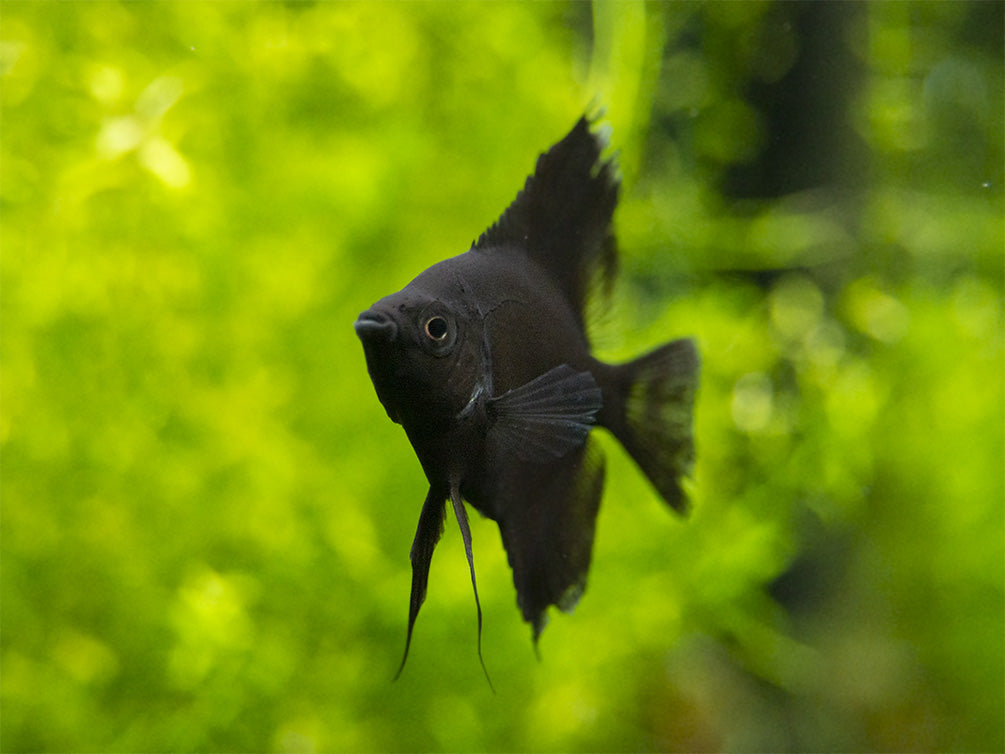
x=207, y=515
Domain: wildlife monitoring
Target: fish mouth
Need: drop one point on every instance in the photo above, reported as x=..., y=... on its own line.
x=371, y=325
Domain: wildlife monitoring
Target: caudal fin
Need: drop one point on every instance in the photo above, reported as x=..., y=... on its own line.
x=656, y=393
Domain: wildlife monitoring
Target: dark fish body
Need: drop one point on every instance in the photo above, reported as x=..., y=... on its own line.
x=484, y=360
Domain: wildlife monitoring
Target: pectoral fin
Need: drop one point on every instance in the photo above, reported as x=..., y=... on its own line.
x=547, y=417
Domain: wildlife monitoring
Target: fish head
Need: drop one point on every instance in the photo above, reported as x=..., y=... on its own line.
x=424, y=354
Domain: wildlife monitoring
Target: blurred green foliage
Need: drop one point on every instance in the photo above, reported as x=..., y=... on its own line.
x=207, y=516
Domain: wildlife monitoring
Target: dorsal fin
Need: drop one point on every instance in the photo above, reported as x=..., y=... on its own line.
x=562, y=217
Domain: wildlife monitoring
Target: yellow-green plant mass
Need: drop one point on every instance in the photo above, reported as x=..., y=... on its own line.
x=206, y=515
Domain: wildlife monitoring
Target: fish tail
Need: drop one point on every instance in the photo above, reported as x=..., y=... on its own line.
x=653, y=412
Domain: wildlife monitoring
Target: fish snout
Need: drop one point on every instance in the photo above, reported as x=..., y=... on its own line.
x=372, y=325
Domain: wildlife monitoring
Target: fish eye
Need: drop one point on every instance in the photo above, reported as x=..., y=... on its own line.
x=436, y=328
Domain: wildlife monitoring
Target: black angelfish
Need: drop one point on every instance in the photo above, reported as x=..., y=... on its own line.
x=484, y=360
